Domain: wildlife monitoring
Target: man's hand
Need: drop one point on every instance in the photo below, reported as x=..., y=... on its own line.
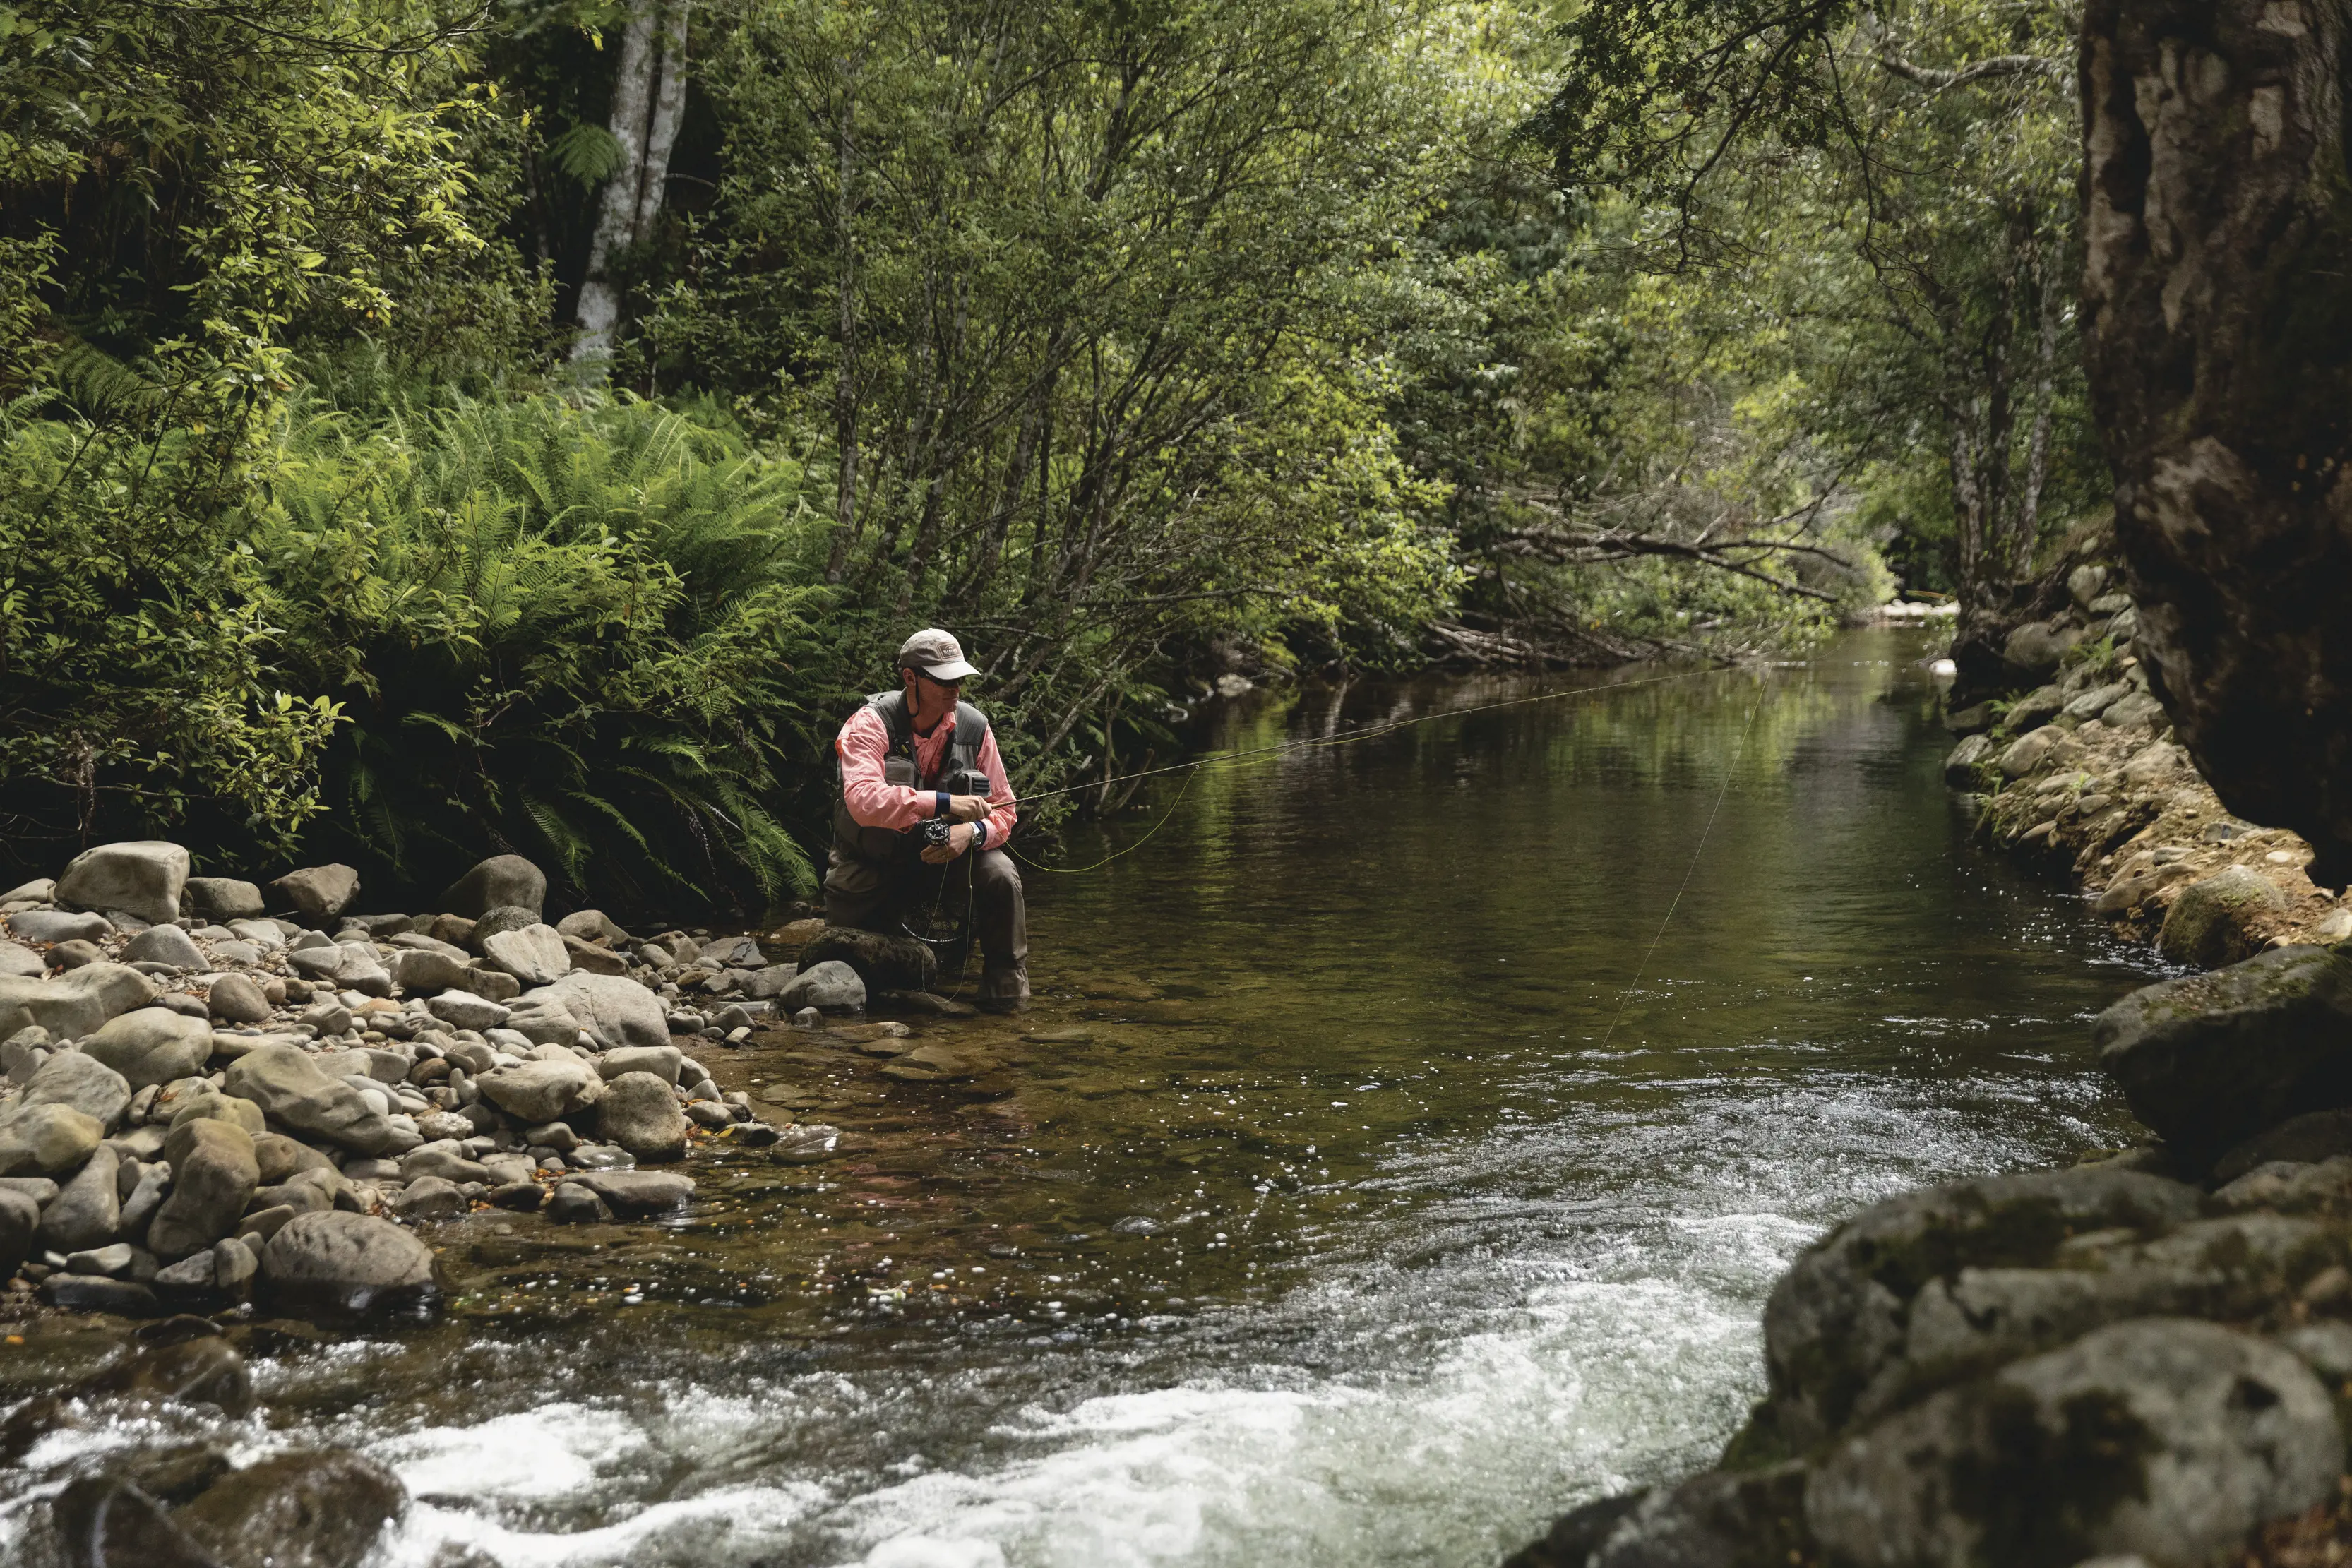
x=959, y=837
x=968, y=808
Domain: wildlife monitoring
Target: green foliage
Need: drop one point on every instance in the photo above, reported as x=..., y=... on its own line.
x=1891, y=193
x=569, y=631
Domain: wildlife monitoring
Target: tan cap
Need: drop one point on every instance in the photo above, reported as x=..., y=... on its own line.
x=937, y=655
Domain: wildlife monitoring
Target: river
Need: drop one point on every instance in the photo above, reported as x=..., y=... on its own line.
x=1380, y=1172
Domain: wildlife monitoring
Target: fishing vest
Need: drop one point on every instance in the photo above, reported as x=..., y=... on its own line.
x=881, y=846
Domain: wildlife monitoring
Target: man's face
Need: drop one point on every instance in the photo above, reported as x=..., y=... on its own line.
x=928, y=700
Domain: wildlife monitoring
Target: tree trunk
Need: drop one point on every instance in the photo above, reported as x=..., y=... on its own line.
x=846, y=368
x=648, y=102
x=2218, y=345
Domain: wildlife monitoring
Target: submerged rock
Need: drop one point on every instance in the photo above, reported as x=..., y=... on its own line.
x=298, y=1511
x=106, y=1523
x=350, y=1262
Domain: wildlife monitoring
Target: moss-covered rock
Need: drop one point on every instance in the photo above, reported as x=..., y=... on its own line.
x=2210, y=1060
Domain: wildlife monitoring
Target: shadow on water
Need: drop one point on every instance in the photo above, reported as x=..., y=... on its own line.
x=1344, y=1201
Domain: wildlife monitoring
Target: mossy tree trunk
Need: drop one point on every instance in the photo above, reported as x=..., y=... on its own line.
x=2218, y=338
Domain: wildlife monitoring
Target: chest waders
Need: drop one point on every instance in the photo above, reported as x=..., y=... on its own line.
x=934, y=902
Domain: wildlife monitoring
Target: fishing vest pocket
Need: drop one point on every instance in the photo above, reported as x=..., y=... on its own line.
x=899, y=771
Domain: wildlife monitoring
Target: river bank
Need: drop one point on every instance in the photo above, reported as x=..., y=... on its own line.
x=2141, y=1358
x=2075, y=768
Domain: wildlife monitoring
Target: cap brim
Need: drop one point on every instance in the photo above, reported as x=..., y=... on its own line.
x=958, y=671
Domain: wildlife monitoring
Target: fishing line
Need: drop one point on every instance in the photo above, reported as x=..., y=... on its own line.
x=1728, y=775
x=1081, y=870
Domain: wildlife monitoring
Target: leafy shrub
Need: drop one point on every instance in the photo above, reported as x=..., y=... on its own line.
x=570, y=630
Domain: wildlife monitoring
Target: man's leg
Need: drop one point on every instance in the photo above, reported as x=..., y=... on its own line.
x=1004, y=922
x=859, y=895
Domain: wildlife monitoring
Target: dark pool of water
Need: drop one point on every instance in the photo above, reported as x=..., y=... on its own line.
x=1380, y=1172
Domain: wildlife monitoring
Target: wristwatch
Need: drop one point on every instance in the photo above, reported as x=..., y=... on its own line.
x=979, y=836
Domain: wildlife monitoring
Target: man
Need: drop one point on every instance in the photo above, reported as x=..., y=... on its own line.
x=905, y=757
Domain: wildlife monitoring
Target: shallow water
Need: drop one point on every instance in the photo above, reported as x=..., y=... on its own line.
x=1345, y=1199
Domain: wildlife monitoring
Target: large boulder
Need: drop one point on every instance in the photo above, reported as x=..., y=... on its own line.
x=548, y=1091
x=47, y=1141
x=152, y=1045
x=535, y=954
x=291, y=1090
x=2033, y=651
x=296, y=1510
x=501, y=881
x=353, y=1263
x=224, y=899
x=615, y=1008
x=831, y=986
x=77, y=1079
x=592, y=925
x=164, y=945
x=214, y=1175
x=2165, y=1439
x=2217, y=921
x=88, y=1210
x=639, y=1111
x=319, y=893
x=2209, y=1060
x=424, y=972
x=885, y=963
x=142, y=877
x=1837, y=1320
x=238, y=999
x=76, y=1003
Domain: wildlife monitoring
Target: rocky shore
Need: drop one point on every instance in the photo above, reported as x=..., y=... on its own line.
x=2075, y=766
x=2143, y=1361
x=223, y=1098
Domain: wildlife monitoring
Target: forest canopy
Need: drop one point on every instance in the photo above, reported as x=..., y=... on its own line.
x=429, y=430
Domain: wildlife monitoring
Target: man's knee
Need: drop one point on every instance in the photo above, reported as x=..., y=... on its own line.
x=994, y=875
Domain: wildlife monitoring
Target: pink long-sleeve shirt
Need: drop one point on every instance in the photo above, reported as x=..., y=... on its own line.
x=863, y=745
